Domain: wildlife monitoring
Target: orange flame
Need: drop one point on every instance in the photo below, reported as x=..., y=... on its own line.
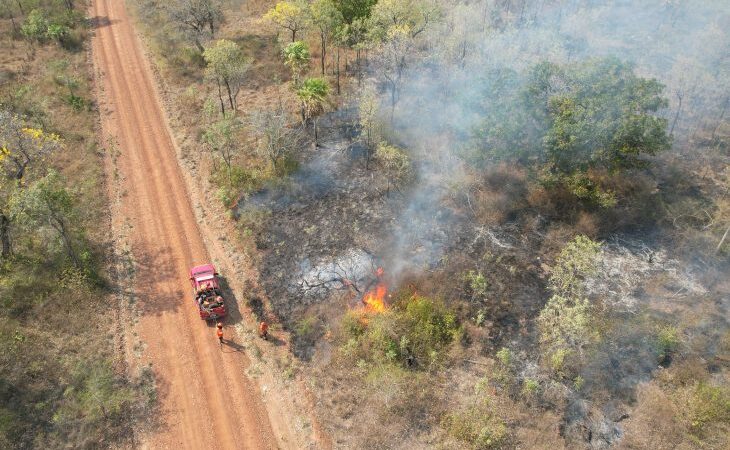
x=374, y=300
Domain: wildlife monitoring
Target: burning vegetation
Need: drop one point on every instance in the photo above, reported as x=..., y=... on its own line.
x=551, y=177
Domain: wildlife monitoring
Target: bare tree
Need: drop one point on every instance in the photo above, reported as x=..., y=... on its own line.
x=276, y=137
x=199, y=19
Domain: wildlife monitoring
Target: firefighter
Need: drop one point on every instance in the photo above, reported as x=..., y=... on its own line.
x=264, y=330
x=219, y=332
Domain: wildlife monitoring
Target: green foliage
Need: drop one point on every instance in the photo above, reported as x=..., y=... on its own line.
x=477, y=282
x=577, y=261
x=565, y=321
x=505, y=357
x=395, y=161
x=415, y=333
x=313, y=94
x=296, y=58
x=667, y=342
x=574, y=121
x=478, y=426
x=353, y=10
x=530, y=387
x=293, y=16
x=227, y=66
x=35, y=27
x=709, y=405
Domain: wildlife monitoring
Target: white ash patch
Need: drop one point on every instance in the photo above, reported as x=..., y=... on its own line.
x=353, y=270
x=626, y=266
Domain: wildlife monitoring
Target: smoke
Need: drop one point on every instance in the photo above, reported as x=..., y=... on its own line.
x=446, y=89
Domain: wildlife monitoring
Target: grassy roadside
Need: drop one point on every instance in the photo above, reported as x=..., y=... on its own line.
x=61, y=383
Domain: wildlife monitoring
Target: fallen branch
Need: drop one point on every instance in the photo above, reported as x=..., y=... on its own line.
x=722, y=241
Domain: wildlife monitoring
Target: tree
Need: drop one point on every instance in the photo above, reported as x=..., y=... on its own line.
x=413, y=17
x=228, y=67
x=574, y=122
x=393, y=26
x=327, y=18
x=368, y=122
x=313, y=94
x=566, y=321
x=48, y=203
x=199, y=19
x=275, y=137
x=352, y=10
x=20, y=148
x=395, y=162
x=222, y=139
x=35, y=26
x=296, y=58
x=292, y=16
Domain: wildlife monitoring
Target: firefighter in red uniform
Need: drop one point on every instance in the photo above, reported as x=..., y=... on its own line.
x=219, y=332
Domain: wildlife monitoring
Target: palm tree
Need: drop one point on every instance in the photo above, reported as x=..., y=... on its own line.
x=313, y=94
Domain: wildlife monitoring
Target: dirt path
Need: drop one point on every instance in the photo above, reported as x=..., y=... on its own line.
x=206, y=399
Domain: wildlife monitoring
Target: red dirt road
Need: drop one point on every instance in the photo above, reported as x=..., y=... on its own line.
x=206, y=399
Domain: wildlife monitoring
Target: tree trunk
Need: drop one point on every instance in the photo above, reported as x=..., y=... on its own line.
x=200, y=47
x=220, y=98
x=324, y=49
x=7, y=249
x=680, y=96
x=230, y=95
x=338, y=70
x=60, y=226
x=293, y=35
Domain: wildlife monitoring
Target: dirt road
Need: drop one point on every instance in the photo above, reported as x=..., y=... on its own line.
x=206, y=399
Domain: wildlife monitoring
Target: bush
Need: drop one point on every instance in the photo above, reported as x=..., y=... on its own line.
x=415, y=333
x=709, y=405
x=478, y=426
x=667, y=343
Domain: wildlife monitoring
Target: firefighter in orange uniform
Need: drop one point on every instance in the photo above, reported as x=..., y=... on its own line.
x=263, y=330
x=219, y=332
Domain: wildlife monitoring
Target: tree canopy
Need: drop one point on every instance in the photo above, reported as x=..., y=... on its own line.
x=572, y=120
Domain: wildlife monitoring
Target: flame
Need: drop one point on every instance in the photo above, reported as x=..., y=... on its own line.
x=374, y=300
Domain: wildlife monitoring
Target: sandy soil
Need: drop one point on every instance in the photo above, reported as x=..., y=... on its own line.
x=206, y=399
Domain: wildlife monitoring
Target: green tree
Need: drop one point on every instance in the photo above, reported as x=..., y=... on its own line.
x=21, y=147
x=327, y=18
x=222, y=140
x=566, y=320
x=313, y=94
x=198, y=19
x=47, y=203
x=296, y=58
x=393, y=26
x=395, y=162
x=353, y=10
x=35, y=26
x=368, y=122
x=573, y=122
x=57, y=32
x=292, y=16
x=228, y=67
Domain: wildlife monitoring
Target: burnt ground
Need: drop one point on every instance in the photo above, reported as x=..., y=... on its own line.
x=330, y=225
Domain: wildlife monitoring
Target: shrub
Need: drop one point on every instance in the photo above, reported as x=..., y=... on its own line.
x=478, y=426
x=35, y=27
x=708, y=405
x=667, y=343
x=477, y=282
x=414, y=333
